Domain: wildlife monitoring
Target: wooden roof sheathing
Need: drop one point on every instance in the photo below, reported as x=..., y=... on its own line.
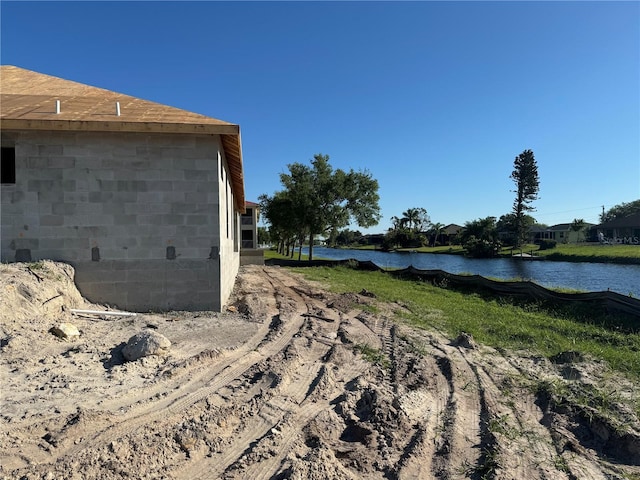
x=28, y=102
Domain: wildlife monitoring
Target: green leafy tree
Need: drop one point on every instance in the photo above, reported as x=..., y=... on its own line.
x=621, y=210
x=264, y=236
x=480, y=238
x=525, y=176
x=322, y=199
x=507, y=225
x=579, y=225
x=278, y=211
x=348, y=237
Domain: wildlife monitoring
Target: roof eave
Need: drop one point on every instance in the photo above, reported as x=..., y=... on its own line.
x=118, y=126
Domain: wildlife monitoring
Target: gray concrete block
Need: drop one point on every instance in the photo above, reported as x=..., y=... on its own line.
x=100, y=275
x=138, y=163
x=197, y=219
x=76, y=173
x=44, y=186
x=148, y=151
x=76, y=243
x=150, y=219
x=122, y=219
x=76, y=197
x=13, y=209
x=96, y=220
x=183, y=186
x=50, y=196
x=63, y=208
x=44, y=150
x=206, y=164
x=160, y=174
x=37, y=162
x=131, y=186
x=195, y=197
x=209, y=231
x=107, y=185
x=112, y=163
x=205, y=187
x=100, y=196
x=51, y=243
x=150, y=197
x=187, y=231
x=51, y=220
x=61, y=162
x=172, y=197
x=171, y=219
x=113, y=208
x=74, y=150
x=159, y=185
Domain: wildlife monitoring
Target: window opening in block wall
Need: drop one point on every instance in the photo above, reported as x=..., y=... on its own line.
x=8, y=165
x=236, y=235
x=226, y=191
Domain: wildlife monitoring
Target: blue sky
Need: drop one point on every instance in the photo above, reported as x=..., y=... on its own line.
x=435, y=99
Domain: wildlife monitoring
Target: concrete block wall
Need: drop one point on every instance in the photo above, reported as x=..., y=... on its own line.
x=133, y=199
x=229, y=225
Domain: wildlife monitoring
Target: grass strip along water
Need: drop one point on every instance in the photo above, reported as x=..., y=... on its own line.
x=500, y=322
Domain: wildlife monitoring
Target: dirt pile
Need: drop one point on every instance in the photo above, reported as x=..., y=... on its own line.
x=296, y=383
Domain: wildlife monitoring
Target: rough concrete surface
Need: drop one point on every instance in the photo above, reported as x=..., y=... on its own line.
x=295, y=383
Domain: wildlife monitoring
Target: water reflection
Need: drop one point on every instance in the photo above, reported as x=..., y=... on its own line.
x=594, y=277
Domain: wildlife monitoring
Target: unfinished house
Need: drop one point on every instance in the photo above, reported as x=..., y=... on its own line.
x=250, y=253
x=143, y=199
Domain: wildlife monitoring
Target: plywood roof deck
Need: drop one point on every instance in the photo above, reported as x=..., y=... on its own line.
x=28, y=101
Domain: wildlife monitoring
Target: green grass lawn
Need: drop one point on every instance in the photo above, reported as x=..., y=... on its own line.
x=594, y=253
x=494, y=322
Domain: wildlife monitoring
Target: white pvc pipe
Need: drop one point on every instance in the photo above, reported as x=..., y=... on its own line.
x=118, y=108
x=57, y=106
x=103, y=312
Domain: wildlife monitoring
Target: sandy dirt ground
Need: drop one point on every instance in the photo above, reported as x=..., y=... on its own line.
x=290, y=382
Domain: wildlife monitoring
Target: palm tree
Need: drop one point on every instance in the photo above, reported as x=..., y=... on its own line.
x=410, y=216
x=416, y=219
x=437, y=229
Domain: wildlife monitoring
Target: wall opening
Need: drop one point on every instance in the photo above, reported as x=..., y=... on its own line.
x=8, y=165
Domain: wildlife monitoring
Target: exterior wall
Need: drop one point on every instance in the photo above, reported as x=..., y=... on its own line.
x=146, y=204
x=229, y=222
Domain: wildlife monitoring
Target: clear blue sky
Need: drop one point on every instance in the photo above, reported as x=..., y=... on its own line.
x=435, y=99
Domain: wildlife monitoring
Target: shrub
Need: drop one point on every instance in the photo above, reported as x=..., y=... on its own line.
x=480, y=248
x=547, y=244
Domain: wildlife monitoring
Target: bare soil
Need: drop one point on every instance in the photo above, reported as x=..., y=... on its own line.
x=291, y=382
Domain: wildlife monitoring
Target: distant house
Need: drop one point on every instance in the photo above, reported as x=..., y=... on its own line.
x=561, y=233
x=624, y=230
x=451, y=234
x=143, y=199
x=249, y=251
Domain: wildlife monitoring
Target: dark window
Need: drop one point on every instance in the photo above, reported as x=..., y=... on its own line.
x=8, y=163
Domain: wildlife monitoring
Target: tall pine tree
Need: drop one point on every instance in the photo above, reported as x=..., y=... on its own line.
x=525, y=176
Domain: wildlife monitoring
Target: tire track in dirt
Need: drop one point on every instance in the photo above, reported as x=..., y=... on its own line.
x=519, y=442
x=426, y=406
x=303, y=373
x=208, y=382
x=297, y=400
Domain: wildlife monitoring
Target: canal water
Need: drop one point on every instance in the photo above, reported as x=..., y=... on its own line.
x=590, y=277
